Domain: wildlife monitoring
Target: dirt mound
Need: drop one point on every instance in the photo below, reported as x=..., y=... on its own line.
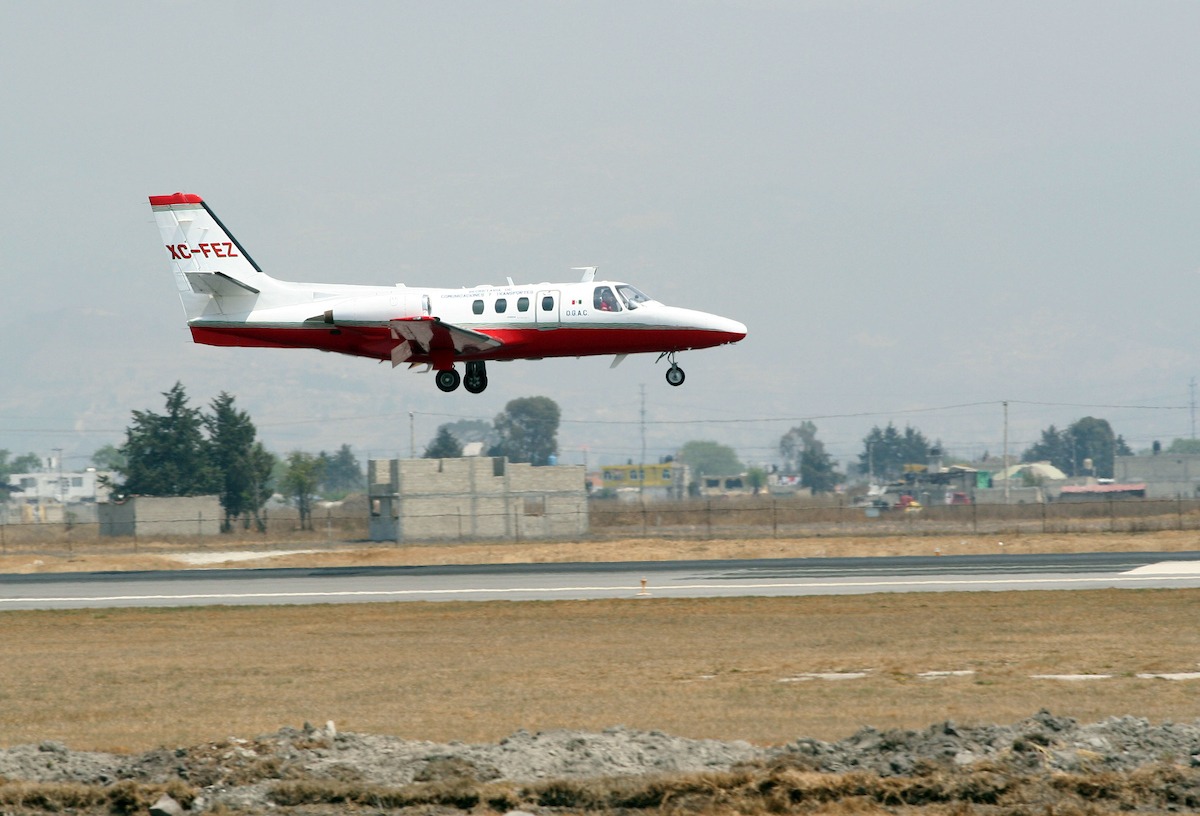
x=317, y=766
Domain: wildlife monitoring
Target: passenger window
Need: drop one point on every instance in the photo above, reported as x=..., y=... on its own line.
x=501, y=305
x=477, y=307
x=523, y=304
x=548, y=303
x=605, y=300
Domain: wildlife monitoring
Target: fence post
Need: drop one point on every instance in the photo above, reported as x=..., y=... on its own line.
x=1112, y=517
x=774, y=518
x=1179, y=510
x=1043, y=515
x=708, y=518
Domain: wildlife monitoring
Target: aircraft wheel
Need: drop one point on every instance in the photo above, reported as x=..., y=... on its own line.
x=476, y=377
x=448, y=380
x=675, y=375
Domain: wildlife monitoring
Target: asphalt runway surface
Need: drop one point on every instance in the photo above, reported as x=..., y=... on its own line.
x=632, y=580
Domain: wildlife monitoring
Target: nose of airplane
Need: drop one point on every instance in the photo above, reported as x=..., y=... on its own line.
x=731, y=331
x=705, y=329
x=738, y=330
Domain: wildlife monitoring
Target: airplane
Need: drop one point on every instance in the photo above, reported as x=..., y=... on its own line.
x=230, y=301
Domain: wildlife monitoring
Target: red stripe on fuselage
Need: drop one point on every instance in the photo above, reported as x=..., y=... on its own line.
x=377, y=342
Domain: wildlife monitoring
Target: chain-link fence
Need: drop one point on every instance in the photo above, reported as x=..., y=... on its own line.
x=698, y=519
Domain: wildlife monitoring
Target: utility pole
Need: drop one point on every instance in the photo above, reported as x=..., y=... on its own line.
x=642, y=465
x=1192, y=388
x=62, y=498
x=1007, y=476
x=412, y=437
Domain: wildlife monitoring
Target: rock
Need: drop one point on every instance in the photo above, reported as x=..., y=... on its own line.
x=166, y=806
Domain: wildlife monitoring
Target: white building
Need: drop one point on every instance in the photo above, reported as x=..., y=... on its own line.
x=55, y=488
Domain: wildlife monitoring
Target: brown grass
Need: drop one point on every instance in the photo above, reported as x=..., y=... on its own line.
x=98, y=555
x=132, y=679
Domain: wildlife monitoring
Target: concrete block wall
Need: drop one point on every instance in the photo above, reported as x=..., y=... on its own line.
x=474, y=498
x=162, y=516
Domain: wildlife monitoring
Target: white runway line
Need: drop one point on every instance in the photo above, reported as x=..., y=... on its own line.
x=1167, y=568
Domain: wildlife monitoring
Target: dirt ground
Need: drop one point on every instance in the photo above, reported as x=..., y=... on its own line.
x=232, y=552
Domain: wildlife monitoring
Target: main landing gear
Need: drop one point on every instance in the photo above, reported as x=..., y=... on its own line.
x=475, y=380
x=675, y=374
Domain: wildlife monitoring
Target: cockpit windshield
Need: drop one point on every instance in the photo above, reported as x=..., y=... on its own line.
x=631, y=295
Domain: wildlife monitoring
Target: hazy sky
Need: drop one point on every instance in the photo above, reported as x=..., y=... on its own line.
x=912, y=206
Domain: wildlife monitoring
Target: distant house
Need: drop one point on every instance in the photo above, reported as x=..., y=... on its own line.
x=666, y=480
x=1101, y=492
x=48, y=487
x=1166, y=476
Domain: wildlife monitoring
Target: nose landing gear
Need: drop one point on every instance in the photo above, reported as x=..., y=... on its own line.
x=675, y=374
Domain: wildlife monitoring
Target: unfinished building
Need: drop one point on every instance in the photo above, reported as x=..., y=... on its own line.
x=474, y=498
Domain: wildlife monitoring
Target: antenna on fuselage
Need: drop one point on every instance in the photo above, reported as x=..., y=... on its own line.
x=589, y=273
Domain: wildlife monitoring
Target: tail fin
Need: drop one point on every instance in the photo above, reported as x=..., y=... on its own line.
x=206, y=259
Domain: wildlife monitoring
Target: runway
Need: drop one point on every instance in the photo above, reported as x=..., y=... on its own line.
x=582, y=581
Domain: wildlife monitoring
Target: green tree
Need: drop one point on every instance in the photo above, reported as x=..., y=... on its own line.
x=467, y=431
x=166, y=454
x=1184, y=446
x=1087, y=438
x=22, y=464
x=444, y=446
x=756, y=477
x=805, y=455
x=886, y=451
x=342, y=473
x=1054, y=447
x=300, y=482
x=242, y=465
x=707, y=458
x=109, y=458
x=527, y=430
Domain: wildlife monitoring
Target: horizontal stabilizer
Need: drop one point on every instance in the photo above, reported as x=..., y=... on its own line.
x=219, y=284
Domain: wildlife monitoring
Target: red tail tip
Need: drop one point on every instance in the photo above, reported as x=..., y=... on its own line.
x=177, y=198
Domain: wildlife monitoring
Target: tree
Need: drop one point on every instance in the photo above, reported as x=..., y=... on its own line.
x=756, y=477
x=527, y=430
x=886, y=451
x=1054, y=447
x=707, y=458
x=467, y=431
x=1184, y=446
x=22, y=464
x=242, y=465
x=805, y=455
x=1086, y=438
x=109, y=458
x=300, y=482
x=342, y=473
x=444, y=446
x=166, y=454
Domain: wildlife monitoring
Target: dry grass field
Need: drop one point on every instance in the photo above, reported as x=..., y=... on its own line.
x=724, y=668
x=118, y=554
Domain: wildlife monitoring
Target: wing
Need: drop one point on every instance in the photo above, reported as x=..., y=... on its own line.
x=422, y=336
